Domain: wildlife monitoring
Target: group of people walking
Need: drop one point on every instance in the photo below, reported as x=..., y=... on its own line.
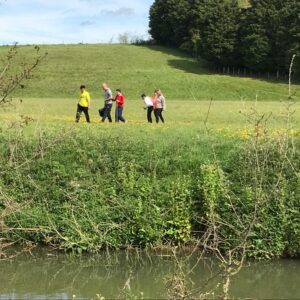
x=156, y=104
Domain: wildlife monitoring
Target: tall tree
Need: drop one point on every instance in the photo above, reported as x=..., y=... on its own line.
x=270, y=34
x=290, y=15
x=218, y=23
x=168, y=21
x=262, y=36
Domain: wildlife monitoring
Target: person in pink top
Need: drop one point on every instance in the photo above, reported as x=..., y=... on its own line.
x=159, y=104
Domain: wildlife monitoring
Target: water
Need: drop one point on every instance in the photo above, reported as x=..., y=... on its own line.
x=51, y=275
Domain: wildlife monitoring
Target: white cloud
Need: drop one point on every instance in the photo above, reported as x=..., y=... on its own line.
x=71, y=21
x=122, y=11
x=87, y=23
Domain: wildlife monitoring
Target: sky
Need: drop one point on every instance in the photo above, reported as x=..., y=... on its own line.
x=71, y=21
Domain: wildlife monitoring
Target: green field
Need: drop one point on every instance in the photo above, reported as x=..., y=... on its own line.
x=86, y=187
x=228, y=117
x=51, y=95
x=138, y=69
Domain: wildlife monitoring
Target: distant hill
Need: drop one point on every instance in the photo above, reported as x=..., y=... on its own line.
x=136, y=70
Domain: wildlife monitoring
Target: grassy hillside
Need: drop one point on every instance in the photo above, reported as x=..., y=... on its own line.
x=138, y=69
x=87, y=187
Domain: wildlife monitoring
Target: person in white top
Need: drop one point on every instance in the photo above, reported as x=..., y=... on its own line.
x=149, y=106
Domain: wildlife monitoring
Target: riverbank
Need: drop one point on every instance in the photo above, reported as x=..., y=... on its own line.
x=133, y=186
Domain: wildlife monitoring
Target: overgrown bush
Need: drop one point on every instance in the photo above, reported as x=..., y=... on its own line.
x=87, y=194
x=95, y=197
x=257, y=196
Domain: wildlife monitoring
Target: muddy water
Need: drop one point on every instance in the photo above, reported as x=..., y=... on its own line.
x=52, y=275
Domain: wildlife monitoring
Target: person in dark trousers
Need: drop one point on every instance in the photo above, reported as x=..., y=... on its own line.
x=149, y=106
x=120, y=100
x=83, y=105
x=108, y=102
x=159, y=106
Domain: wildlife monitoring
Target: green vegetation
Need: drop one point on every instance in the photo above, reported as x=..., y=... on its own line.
x=257, y=35
x=90, y=188
x=117, y=187
x=85, y=187
x=244, y=3
x=226, y=117
x=143, y=70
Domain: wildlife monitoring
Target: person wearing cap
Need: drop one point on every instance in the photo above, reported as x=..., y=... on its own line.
x=108, y=102
x=83, y=105
x=148, y=106
x=120, y=100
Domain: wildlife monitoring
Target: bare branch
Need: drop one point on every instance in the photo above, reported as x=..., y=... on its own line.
x=10, y=77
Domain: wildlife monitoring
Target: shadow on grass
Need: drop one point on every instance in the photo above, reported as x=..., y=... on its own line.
x=189, y=65
x=167, y=50
x=185, y=62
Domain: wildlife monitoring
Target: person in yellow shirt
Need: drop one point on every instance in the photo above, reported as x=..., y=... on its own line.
x=83, y=105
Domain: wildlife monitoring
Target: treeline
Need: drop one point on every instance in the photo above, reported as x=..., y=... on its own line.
x=261, y=37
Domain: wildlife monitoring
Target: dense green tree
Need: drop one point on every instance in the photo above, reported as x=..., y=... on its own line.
x=217, y=22
x=269, y=34
x=254, y=46
x=207, y=27
x=291, y=18
x=168, y=21
x=261, y=36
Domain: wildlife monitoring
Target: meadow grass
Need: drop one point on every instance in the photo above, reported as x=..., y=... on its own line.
x=137, y=70
x=224, y=116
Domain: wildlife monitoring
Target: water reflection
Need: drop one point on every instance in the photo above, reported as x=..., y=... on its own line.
x=60, y=276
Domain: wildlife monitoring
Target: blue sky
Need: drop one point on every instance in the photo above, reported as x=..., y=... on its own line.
x=71, y=21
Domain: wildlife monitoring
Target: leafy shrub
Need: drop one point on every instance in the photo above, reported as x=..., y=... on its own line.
x=138, y=195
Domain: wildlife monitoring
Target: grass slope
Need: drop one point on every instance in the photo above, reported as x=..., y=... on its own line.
x=138, y=69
